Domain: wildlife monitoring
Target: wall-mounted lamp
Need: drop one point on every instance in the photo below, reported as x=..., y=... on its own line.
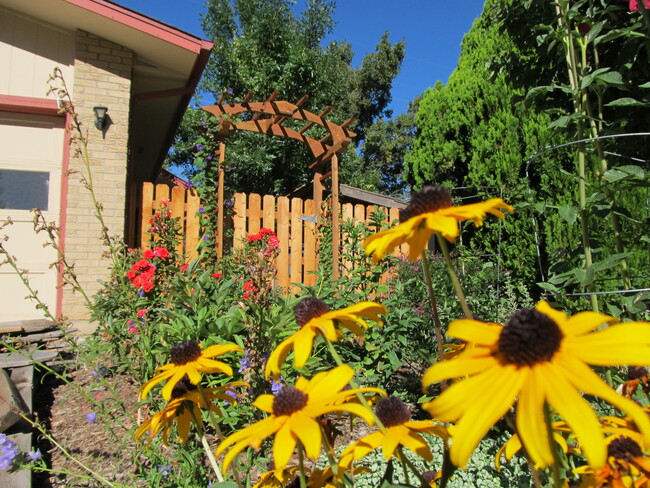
x=100, y=117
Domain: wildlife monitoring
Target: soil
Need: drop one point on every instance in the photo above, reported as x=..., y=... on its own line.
x=62, y=409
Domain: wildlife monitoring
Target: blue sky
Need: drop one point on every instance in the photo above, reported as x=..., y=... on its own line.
x=433, y=30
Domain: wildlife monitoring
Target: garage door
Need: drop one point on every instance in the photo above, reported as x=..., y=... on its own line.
x=30, y=177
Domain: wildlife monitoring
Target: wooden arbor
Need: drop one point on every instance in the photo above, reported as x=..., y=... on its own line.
x=267, y=118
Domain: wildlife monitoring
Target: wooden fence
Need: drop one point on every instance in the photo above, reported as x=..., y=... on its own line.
x=292, y=219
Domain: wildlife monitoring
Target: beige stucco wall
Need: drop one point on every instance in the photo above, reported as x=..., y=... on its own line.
x=102, y=76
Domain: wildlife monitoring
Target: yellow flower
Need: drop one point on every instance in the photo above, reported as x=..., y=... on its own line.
x=430, y=211
x=188, y=359
x=278, y=478
x=313, y=317
x=293, y=412
x=627, y=467
x=624, y=427
x=540, y=356
x=184, y=405
x=395, y=415
x=513, y=446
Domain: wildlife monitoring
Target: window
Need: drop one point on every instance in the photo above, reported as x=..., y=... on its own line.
x=24, y=190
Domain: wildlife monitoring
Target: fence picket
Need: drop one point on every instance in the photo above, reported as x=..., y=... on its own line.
x=298, y=251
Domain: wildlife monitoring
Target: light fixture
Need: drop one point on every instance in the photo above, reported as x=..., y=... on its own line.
x=100, y=117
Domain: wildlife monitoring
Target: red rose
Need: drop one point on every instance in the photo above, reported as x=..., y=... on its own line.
x=141, y=313
x=148, y=254
x=634, y=5
x=161, y=252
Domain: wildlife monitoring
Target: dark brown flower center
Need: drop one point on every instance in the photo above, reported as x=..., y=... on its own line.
x=624, y=448
x=529, y=338
x=185, y=352
x=429, y=476
x=182, y=387
x=288, y=400
x=392, y=411
x=636, y=372
x=309, y=308
x=428, y=199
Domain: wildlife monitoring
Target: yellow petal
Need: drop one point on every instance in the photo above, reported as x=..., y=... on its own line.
x=485, y=411
x=308, y=431
x=531, y=426
x=283, y=446
x=557, y=316
x=146, y=388
x=584, y=378
x=442, y=224
x=584, y=322
x=456, y=368
x=416, y=443
x=183, y=423
x=264, y=403
x=475, y=332
x=624, y=344
x=178, y=375
x=219, y=349
x=211, y=366
x=384, y=242
x=370, y=310
x=303, y=341
x=563, y=396
x=459, y=397
x=278, y=357
x=328, y=383
x=392, y=439
x=359, y=449
x=512, y=446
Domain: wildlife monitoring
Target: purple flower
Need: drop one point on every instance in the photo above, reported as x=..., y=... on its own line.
x=203, y=123
x=35, y=455
x=142, y=293
x=229, y=91
x=276, y=387
x=101, y=371
x=228, y=203
x=232, y=395
x=165, y=470
x=208, y=157
x=190, y=184
x=199, y=147
x=8, y=452
x=91, y=417
x=206, y=238
x=245, y=362
x=201, y=210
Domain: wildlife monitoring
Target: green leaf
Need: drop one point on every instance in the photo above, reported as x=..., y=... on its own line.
x=225, y=484
x=626, y=102
x=548, y=287
x=560, y=122
x=568, y=213
x=645, y=85
x=612, y=78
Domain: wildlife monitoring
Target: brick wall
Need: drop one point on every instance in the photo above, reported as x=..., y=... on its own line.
x=102, y=76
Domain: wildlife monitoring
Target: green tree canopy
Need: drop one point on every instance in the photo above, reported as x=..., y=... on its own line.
x=262, y=45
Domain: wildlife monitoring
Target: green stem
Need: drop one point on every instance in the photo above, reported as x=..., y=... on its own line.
x=329, y=451
x=454, y=277
x=353, y=384
x=301, y=465
x=206, y=445
x=402, y=460
x=557, y=480
x=220, y=436
x=413, y=469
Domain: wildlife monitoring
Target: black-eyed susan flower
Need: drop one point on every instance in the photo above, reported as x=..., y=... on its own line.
x=430, y=211
x=540, y=356
x=624, y=426
x=313, y=317
x=277, y=478
x=186, y=402
x=395, y=415
x=293, y=412
x=513, y=445
x=188, y=358
x=627, y=467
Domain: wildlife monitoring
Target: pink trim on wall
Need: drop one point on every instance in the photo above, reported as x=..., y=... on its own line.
x=63, y=211
x=144, y=24
x=29, y=105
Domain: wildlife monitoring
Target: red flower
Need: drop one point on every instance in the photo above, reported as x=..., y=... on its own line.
x=216, y=276
x=160, y=252
x=147, y=286
x=249, y=286
x=148, y=254
x=264, y=231
x=183, y=267
x=254, y=237
x=635, y=6
x=141, y=313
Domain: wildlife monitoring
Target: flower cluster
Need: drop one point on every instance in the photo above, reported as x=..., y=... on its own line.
x=158, y=221
x=10, y=454
x=249, y=289
x=141, y=274
x=267, y=240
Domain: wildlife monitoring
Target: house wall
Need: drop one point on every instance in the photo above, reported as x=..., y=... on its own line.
x=102, y=76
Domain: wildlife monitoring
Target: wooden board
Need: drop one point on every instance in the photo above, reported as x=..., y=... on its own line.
x=34, y=325
x=15, y=360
